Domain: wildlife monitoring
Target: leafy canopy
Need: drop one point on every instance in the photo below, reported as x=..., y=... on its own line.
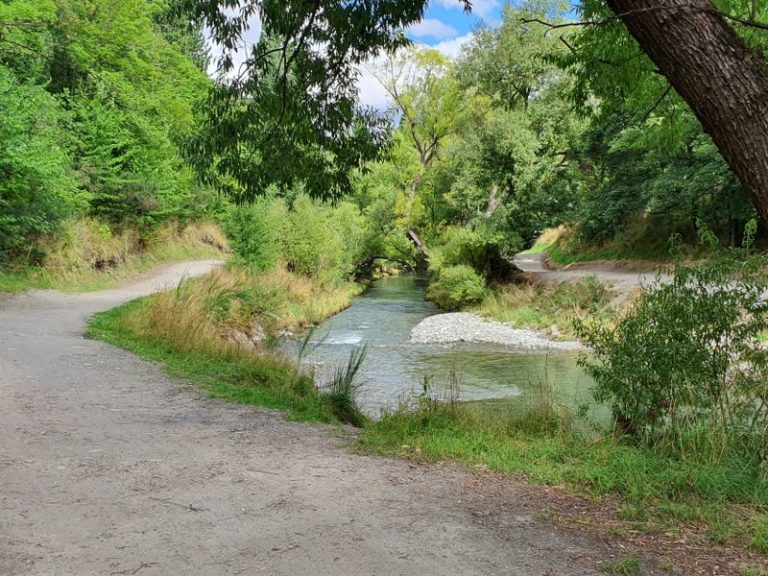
x=290, y=112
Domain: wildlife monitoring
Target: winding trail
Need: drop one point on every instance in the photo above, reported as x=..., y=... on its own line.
x=110, y=467
x=623, y=281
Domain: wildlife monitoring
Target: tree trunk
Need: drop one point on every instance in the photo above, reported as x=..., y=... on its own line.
x=725, y=84
x=423, y=257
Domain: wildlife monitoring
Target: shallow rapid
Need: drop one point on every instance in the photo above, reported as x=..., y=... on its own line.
x=396, y=369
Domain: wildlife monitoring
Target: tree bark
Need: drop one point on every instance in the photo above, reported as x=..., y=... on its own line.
x=724, y=83
x=423, y=257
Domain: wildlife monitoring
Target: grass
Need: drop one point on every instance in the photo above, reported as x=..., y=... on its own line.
x=236, y=302
x=724, y=499
x=225, y=372
x=622, y=567
x=543, y=304
x=88, y=256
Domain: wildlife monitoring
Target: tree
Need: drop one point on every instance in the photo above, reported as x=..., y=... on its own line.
x=426, y=94
x=723, y=80
x=290, y=112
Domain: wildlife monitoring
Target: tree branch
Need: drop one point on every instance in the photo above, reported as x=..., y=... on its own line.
x=658, y=102
x=749, y=22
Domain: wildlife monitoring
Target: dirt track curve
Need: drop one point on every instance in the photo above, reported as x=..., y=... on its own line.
x=110, y=467
x=622, y=281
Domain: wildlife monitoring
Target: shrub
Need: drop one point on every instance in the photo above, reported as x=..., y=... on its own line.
x=684, y=368
x=483, y=250
x=456, y=286
x=38, y=186
x=252, y=234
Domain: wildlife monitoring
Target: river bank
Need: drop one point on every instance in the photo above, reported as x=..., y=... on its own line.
x=714, y=508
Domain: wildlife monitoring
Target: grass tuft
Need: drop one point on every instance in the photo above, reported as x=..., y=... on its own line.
x=543, y=304
x=622, y=567
x=342, y=389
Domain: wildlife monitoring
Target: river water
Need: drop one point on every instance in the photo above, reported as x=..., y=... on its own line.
x=395, y=370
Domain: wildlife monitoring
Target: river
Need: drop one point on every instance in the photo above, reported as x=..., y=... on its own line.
x=395, y=370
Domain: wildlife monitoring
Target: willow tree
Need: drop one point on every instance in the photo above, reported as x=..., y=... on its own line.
x=710, y=57
x=290, y=110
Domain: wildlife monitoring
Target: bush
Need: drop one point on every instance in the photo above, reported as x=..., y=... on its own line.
x=684, y=369
x=252, y=234
x=37, y=187
x=484, y=251
x=455, y=287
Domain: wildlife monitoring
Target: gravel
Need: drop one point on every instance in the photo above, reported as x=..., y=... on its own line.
x=466, y=327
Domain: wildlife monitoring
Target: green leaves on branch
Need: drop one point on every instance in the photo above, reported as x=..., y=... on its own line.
x=289, y=113
x=685, y=370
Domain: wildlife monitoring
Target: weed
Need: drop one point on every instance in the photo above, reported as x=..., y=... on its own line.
x=622, y=567
x=342, y=389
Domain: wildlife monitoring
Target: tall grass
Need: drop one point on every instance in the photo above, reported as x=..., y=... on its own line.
x=545, y=304
x=342, y=389
x=209, y=329
x=88, y=255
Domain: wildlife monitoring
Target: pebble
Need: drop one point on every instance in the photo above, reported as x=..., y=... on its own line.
x=467, y=327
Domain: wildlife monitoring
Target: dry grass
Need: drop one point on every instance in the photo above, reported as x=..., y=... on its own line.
x=89, y=255
x=543, y=304
x=235, y=299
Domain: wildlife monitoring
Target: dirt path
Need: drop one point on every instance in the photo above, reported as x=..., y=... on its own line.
x=623, y=281
x=108, y=466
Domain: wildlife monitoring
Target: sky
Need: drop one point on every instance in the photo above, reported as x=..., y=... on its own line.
x=445, y=27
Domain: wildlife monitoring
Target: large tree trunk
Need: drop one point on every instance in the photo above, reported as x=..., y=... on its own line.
x=725, y=84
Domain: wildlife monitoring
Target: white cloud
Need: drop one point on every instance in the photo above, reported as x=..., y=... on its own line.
x=432, y=28
x=373, y=94
x=451, y=48
x=249, y=39
x=481, y=8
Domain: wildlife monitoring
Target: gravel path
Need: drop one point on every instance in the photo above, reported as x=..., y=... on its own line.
x=110, y=467
x=622, y=281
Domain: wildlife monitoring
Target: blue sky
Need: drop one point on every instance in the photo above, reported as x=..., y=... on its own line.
x=445, y=27
x=446, y=20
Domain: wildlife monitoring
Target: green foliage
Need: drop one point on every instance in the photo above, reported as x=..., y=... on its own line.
x=683, y=370
x=486, y=252
x=291, y=114
x=456, y=286
x=310, y=237
x=316, y=239
x=252, y=234
x=37, y=183
x=95, y=97
x=672, y=178
x=343, y=387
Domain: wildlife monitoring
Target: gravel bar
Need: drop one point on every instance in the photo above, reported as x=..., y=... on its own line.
x=466, y=327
